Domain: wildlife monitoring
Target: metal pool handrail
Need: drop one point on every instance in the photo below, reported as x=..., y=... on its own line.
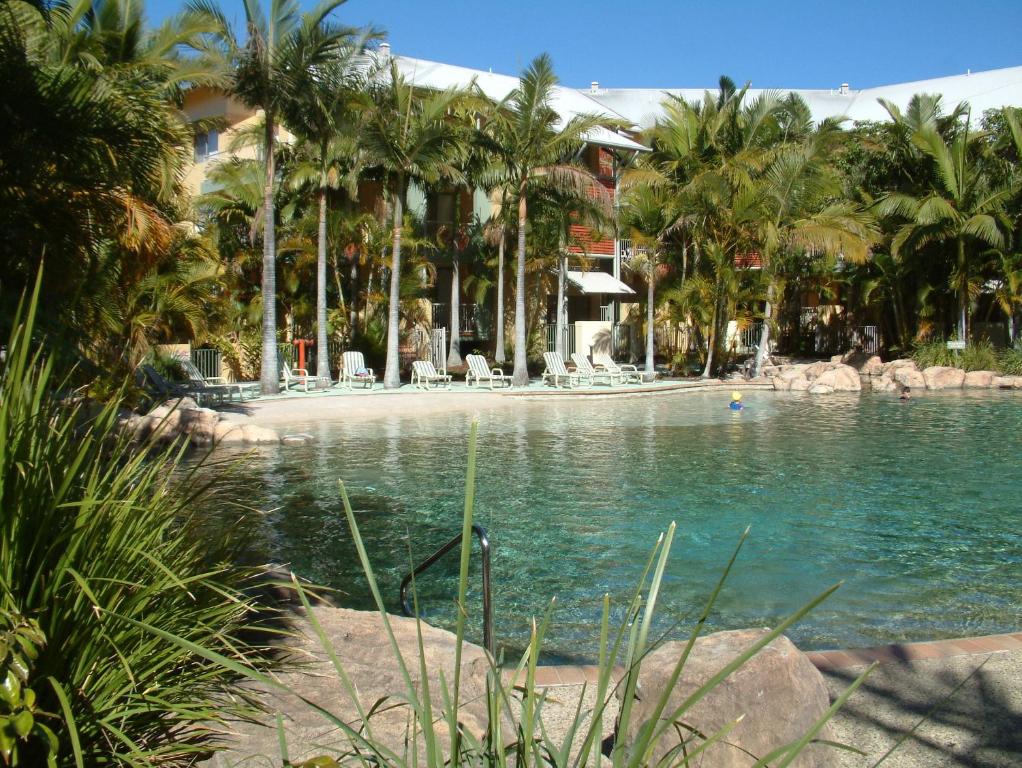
x=484, y=546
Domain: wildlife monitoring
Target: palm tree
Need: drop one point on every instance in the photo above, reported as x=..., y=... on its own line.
x=412, y=137
x=963, y=208
x=534, y=149
x=647, y=216
x=282, y=47
x=323, y=118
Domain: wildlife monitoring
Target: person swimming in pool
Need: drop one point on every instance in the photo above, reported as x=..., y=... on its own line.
x=906, y=394
x=736, y=401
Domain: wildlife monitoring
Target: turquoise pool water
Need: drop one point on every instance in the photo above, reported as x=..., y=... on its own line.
x=916, y=506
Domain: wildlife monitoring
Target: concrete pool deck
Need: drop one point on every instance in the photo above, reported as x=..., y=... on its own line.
x=337, y=403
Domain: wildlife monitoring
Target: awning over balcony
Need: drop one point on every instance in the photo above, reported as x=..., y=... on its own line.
x=597, y=282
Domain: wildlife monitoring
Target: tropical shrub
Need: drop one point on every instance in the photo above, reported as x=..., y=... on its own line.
x=22, y=724
x=1010, y=362
x=979, y=356
x=99, y=551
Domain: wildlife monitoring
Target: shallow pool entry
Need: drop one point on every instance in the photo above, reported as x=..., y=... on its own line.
x=916, y=506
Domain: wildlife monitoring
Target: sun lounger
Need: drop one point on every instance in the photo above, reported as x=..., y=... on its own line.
x=167, y=390
x=627, y=371
x=214, y=383
x=354, y=371
x=556, y=372
x=295, y=377
x=426, y=376
x=480, y=371
x=595, y=373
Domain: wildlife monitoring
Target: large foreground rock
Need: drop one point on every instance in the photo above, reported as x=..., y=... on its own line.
x=908, y=376
x=359, y=640
x=779, y=692
x=943, y=377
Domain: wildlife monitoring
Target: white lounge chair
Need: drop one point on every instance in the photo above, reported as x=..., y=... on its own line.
x=295, y=377
x=627, y=371
x=556, y=372
x=425, y=375
x=480, y=371
x=595, y=372
x=355, y=371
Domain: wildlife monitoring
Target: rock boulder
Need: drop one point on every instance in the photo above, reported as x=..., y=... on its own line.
x=779, y=692
x=908, y=376
x=979, y=379
x=943, y=377
x=840, y=378
x=360, y=642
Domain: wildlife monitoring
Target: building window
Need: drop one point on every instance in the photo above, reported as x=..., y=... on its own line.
x=206, y=144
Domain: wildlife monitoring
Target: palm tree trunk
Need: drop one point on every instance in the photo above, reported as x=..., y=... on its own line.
x=499, y=355
x=454, y=316
x=650, y=312
x=559, y=327
x=764, y=336
x=392, y=372
x=963, y=294
x=269, y=373
x=454, y=358
x=322, y=348
x=520, y=377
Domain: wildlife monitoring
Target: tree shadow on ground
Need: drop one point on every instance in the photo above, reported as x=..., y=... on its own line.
x=970, y=708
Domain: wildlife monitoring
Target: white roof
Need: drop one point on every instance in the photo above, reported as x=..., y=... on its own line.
x=567, y=101
x=597, y=282
x=982, y=90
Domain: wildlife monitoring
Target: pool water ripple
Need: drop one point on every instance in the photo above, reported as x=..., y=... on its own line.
x=915, y=506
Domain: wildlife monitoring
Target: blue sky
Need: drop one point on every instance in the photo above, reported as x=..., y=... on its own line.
x=660, y=43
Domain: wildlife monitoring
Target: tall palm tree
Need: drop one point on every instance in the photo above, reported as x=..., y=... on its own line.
x=964, y=209
x=324, y=119
x=535, y=149
x=282, y=47
x=646, y=215
x=412, y=137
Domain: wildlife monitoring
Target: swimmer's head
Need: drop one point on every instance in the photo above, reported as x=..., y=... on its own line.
x=736, y=396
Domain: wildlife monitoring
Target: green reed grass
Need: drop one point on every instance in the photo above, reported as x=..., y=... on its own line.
x=98, y=548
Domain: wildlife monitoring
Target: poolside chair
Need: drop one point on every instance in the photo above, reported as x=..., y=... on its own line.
x=167, y=390
x=211, y=383
x=425, y=375
x=479, y=371
x=354, y=371
x=295, y=376
x=627, y=371
x=556, y=372
x=594, y=373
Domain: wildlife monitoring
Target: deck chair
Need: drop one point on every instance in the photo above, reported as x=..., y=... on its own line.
x=295, y=376
x=354, y=371
x=556, y=372
x=595, y=373
x=627, y=371
x=167, y=390
x=425, y=375
x=211, y=383
x=479, y=371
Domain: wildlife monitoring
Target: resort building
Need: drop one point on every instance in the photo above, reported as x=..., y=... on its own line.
x=600, y=285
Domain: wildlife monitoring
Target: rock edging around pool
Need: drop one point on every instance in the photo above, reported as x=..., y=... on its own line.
x=855, y=372
x=182, y=417
x=779, y=679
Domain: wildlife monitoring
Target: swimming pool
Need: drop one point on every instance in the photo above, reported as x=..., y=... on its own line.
x=916, y=506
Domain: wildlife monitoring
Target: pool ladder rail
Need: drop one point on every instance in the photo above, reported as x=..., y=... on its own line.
x=484, y=546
